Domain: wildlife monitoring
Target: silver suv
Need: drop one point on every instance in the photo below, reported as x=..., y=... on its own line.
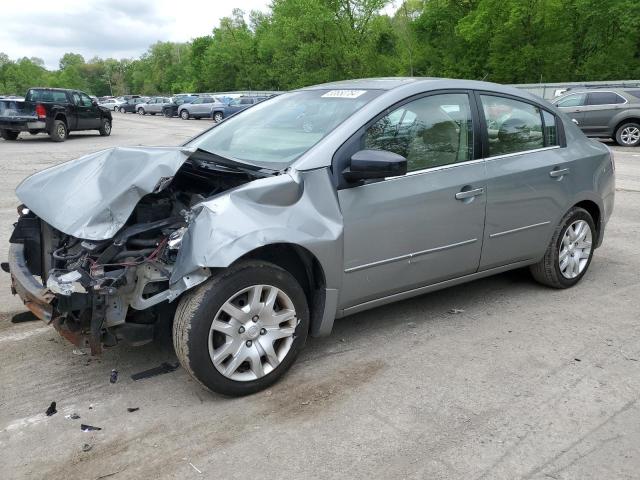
x=153, y=105
x=313, y=205
x=605, y=113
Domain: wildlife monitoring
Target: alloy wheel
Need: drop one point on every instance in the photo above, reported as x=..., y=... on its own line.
x=252, y=333
x=575, y=249
x=630, y=135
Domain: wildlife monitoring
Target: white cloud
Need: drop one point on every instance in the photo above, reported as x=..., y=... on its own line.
x=112, y=28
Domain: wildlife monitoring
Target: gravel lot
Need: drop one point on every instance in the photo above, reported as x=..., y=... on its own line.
x=525, y=382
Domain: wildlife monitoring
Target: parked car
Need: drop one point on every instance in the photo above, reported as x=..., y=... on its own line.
x=129, y=106
x=234, y=106
x=201, y=107
x=55, y=111
x=605, y=113
x=112, y=103
x=171, y=109
x=259, y=232
x=153, y=105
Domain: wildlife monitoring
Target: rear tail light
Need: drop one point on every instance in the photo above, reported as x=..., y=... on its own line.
x=41, y=112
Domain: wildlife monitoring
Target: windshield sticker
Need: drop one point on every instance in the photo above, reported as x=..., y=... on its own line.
x=344, y=94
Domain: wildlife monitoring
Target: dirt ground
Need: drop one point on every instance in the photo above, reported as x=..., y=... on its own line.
x=523, y=382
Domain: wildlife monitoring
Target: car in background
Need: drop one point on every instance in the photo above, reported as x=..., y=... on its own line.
x=605, y=113
x=201, y=107
x=153, y=105
x=129, y=106
x=112, y=103
x=234, y=106
x=171, y=109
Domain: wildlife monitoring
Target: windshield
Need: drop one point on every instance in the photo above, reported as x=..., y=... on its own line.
x=274, y=133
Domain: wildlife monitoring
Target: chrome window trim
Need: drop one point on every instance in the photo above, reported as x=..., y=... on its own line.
x=409, y=256
x=599, y=105
x=432, y=169
x=524, y=152
x=519, y=229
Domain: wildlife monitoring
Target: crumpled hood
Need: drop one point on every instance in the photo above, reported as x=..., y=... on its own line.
x=93, y=196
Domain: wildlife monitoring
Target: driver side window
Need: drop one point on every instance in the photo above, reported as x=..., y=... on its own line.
x=429, y=132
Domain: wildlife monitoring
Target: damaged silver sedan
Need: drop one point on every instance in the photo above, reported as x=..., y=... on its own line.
x=307, y=207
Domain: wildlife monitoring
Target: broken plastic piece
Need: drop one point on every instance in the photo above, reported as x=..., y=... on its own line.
x=51, y=410
x=152, y=372
x=89, y=428
x=133, y=409
x=73, y=416
x=86, y=447
x=455, y=311
x=114, y=376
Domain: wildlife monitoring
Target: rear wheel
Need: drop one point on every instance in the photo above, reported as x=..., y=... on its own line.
x=628, y=134
x=217, y=117
x=141, y=111
x=184, y=115
x=105, y=128
x=241, y=331
x=9, y=134
x=167, y=113
x=59, y=131
x=122, y=110
x=570, y=252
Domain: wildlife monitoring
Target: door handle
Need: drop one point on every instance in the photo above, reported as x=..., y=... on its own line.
x=575, y=121
x=559, y=173
x=464, y=194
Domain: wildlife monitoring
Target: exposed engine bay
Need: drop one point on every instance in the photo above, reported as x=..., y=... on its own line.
x=117, y=289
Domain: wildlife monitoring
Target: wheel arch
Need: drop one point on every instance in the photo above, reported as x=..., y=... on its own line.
x=618, y=122
x=594, y=210
x=305, y=268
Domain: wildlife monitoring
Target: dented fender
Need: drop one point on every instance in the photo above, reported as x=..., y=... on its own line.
x=299, y=208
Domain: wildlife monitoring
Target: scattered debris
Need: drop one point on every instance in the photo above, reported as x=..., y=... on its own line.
x=133, y=409
x=343, y=340
x=51, y=410
x=112, y=473
x=114, y=376
x=305, y=403
x=79, y=351
x=89, y=428
x=195, y=468
x=152, y=372
x=577, y=360
x=73, y=416
x=86, y=447
x=455, y=311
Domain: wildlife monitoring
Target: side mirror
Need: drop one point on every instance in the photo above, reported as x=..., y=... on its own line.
x=372, y=164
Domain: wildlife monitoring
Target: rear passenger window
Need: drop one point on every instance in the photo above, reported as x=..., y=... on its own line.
x=429, y=132
x=604, y=98
x=550, y=129
x=512, y=126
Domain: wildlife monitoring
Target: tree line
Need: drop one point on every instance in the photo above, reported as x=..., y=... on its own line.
x=303, y=42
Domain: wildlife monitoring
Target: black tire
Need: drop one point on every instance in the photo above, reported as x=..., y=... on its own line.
x=141, y=111
x=105, y=128
x=59, y=131
x=217, y=117
x=9, y=134
x=167, y=113
x=547, y=271
x=623, y=137
x=184, y=114
x=196, y=312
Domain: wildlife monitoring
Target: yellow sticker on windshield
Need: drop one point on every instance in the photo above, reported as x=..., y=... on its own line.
x=344, y=94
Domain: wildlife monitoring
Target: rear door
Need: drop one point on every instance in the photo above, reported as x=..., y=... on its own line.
x=426, y=226
x=528, y=179
x=600, y=110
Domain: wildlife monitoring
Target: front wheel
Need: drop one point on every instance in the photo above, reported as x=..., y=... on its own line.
x=122, y=110
x=217, y=117
x=569, y=254
x=167, y=113
x=239, y=332
x=184, y=115
x=628, y=135
x=141, y=111
x=105, y=128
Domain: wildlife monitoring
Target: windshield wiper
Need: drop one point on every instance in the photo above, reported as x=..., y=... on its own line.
x=208, y=160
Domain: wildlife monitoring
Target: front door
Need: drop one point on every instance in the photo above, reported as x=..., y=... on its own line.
x=425, y=227
x=89, y=116
x=573, y=106
x=528, y=180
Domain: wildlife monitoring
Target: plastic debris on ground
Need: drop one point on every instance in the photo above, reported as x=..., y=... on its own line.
x=89, y=428
x=51, y=410
x=152, y=372
x=133, y=409
x=114, y=376
x=73, y=416
x=455, y=311
x=86, y=447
